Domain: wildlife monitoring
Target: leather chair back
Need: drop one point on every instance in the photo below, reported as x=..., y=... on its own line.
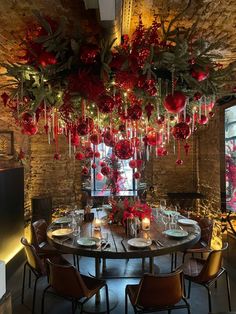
x=206, y=226
x=66, y=280
x=39, y=232
x=160, y=290
x=212, y=266
x=32, y=258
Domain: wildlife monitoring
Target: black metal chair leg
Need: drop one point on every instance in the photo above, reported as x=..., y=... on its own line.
x=189, y=288
x=107, y=299
x=126, y=302
x=74, y=261
x=209, y=298
x=29, y=282
x=175, y=257
x=172, y=261
x=43, y=299
x=77, y=260
x=23, y=285
x=34, y=294
x=215, y=284
x=228, y=289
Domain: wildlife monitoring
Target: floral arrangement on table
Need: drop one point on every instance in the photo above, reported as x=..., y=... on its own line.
x=123, y=209
x=158, y=86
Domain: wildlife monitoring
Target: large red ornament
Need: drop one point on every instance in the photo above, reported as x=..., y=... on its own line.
x=85, y=126
x=175, y=103
x=108, y=139
x=47, y=58
x=106, y=104
x=95, y=138
x=181, y=131
x=29, y=129
x=124, y=149
x=134, y=112
x=94, y=166
x=97, y=155
x=199, y=74
x=89, y=53
x=154, y=138
x=106, y=170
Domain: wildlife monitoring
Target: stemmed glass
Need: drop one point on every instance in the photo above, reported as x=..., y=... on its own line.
x=162, y=204
x=165, y=219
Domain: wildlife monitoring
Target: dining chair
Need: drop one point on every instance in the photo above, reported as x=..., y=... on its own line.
x=206, y=272
x=67, y=282
x=40, y=242
x=204, y=243
x=35, y=265
x=157, y=293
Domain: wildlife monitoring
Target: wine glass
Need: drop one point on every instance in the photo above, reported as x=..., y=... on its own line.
x=162, y=204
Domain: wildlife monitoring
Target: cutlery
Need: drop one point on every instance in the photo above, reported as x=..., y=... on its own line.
x=64, y=240
x=158, y=242
x=105, y=246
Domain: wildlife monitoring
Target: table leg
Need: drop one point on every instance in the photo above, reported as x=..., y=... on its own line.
x=151, y=265
x=97, y=274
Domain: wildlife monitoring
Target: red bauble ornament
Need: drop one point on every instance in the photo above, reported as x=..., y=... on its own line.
x=179, y=162
x=162, y=151
x=124, y=149
x=175, y=103
x=137, y=175
x=99, y=176
x=95, y=138
x=88, y=152
x=199, y=74
x=57, y=156
x=97, y=155
x=103, y=164
x=85, y=126
x=106, y=104
x=108, y=139
x=29, y=129
x=154, y=138
x=181, y=131
x=203, y=120
x=134, y=112
x=89, y=53
x=47, y=58
x=139, y=163
x=106, y=170
x=79, y=156
x=133, y=164
x=74, y=139
x=94, y=166
x=85, y=171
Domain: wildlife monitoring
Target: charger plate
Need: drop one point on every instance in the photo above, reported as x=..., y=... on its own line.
x=139, y=242
x=62, y=232
x=176, y=233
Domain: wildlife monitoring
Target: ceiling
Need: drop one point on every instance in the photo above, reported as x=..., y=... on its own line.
x=217, y=19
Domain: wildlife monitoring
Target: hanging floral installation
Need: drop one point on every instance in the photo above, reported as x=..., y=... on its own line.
x=156, y=87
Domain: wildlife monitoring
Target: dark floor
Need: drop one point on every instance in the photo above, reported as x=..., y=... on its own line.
x=55, y=305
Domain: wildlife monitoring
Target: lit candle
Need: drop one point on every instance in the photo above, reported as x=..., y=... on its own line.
x=97, y=223
x=146, y=223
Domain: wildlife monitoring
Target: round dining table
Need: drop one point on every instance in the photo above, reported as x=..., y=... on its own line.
x=118, y=244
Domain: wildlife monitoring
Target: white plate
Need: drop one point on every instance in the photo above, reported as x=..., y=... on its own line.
x=187, y=222
x=87, y=241
x=176, y=233
x=63, y=220
x=139, y=242
x=62, y=232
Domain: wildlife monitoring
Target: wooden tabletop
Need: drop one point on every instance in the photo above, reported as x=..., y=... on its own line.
x=119, y=248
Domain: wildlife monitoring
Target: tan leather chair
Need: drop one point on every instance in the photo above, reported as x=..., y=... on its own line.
x=206, y=272
x=157, y=292
x=67, y=282
x=36, y=264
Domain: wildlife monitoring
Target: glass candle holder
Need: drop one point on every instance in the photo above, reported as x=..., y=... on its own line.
x=146, y=224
